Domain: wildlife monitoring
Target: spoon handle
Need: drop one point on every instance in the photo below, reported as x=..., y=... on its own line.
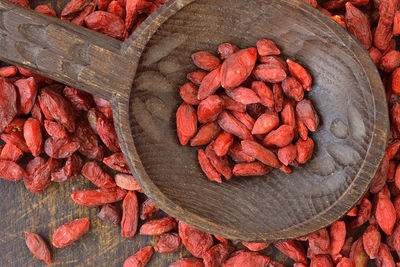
x=62, y=51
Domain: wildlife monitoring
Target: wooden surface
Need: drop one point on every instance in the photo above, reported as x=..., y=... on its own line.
x=268, y=208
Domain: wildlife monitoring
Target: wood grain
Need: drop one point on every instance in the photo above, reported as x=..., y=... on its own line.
x=269, y=208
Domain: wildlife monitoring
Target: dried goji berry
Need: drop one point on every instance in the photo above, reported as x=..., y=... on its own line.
x=93, y=172
x=267, y=48
x=80, y=100
x=107, y=23
x=280, y=137
x=130, y=215
x=71, y=170
x=93, y=198
x=60, y=148
x=90, y=145
x=117, y=162
x=357, y=253
x=206, y=61
x=11, y=153
x=38, y=247
x=390, y=61
x=196, y=77
x=304, y=149
x=288, y=115
x=9, y=71
x=186, y=123
x=168, y=243
x=140, y=259
x=110, y=213
x=188, y=93
x=301, y=74
x=206, y=134
x=287, y=154
x=209, y=84
x=70, y=232
x=233, y=126
x=148, y=209
x=271, y=73
x=221, y=164
x=225, y=50
x=8, y=103
x=196, y=241
x=80, y=18
x=264, y=93
x=238, y=67
x=250, y=169
x=246, y=259
x=45, y=9
x=292, y=88
x=337, y=236
x=357, y=24
x=371, y=241
x=293, y=249
x=380, y=180
x=265, y=123
x=385, y=214
x=260, y=153
x=321, y=261
x=56, y=130
x=207, y=167
x=384, y=257
x=237, y=154
x=209, y=109
x=106, y=131
x=217, y=255
x=231, y=104
x=127, y=182
x=27, y=91
x=223, y=143
x=307, y=114
x=255, y=246
x=158, y=226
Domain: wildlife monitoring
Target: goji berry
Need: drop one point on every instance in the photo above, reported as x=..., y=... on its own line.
x=186, y=123
x=38, y=247
x=107, y=23
x=158, y=226
x=188, y=93
x=130, y=215
x=250, y=169
x=209, y=109
x=45, y=9
x=110, y=213
x=93, y=198
x=196, y=241
x=117, y=162
x=260, y=153
x=168, y=243
x=196, y=77
x=267, y=48
x=56, y=130
x=238, y=67
x=206, y=61
x=225, y=50
x=246, y=259
x=209, y=84
x=357, y=24
x=148, y=209
x=70, y=232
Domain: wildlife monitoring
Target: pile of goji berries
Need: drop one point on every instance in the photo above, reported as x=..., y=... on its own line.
x=63, y=132
x=238, y=117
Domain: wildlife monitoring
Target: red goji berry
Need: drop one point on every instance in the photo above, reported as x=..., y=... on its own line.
x=130, y=215
x=38, y=247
